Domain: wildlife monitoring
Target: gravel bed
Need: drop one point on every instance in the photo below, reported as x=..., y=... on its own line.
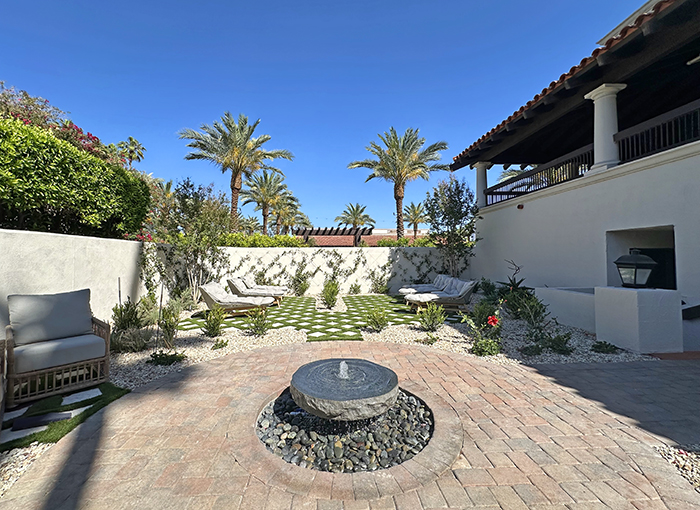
x=15, y=462
x=686, y=459
x=311, y=442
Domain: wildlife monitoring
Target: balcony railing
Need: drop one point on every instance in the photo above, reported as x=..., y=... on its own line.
x=568, y=167
x=672, y=129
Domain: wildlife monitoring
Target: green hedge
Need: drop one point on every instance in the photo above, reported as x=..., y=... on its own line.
x=258, y=240
x=47, y=184
x=405, y=241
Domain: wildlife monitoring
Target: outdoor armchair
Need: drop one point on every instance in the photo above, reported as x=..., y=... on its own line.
x=215, y=295
x=53, y=345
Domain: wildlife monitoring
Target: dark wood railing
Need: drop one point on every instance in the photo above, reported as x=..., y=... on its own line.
x=566, y=168
x=672, y=129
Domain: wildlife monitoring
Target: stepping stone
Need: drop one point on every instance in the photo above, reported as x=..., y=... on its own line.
x=14, y=414
x=8, y=435
x=33, y=422
x=353, y=333
x=333, y=330
x=79, y=397
x=316, y=334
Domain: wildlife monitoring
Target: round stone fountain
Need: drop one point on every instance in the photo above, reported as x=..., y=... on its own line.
x=344, y=389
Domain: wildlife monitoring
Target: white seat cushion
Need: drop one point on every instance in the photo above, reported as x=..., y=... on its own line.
x=53, y=353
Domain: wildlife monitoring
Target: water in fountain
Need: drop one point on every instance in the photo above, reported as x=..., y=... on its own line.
x=343, y=370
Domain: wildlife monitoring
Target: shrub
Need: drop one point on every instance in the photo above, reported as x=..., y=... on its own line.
x=168, y=325
x=257, y=322
x=148, y=309
x=486, y=347
x=379, y=279
x=354, y=288
x=258, y=240
x=219, y=344
x=126, y=316
x=329, y=294
x=432, y=317
x=430, y=339
x=405, y=241
x=300, y=279
x=482, y=311
x=488, y=288
x=559, y=344
x=166, y=358
x=130, y=340
x=214, y=322
x=376, y=319
x=605, y=348
x=261, y=278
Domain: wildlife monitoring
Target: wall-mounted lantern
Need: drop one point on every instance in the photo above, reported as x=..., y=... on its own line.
x=635, y=269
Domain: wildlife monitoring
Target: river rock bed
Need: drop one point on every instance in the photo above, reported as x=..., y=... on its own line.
x=311, y=442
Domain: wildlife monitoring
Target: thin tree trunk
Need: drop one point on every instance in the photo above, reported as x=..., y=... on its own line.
x=265, y=212
x=415, y=231
x=236, y=185
x=398, y=196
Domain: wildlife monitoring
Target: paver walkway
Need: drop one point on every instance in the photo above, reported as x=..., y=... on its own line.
x=523, y=440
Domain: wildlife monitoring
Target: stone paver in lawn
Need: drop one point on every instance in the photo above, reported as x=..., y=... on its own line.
x=187, y=441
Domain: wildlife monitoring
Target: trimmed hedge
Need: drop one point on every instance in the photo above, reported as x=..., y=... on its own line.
x=258, y=240
x=422, y=242
x=47, y=184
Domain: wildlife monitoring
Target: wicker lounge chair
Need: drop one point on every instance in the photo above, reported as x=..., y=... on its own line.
x=456, y=296
x=239, y=288
x=438, y=284
x=53, y=345
x=215, y=295
x=250, y=283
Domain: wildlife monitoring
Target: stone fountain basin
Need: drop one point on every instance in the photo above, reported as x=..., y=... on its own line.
x=367, y=390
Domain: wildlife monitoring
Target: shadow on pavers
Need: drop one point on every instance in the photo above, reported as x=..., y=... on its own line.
x=660, y=397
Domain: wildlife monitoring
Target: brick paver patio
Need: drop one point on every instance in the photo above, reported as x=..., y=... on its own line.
x=506, y=436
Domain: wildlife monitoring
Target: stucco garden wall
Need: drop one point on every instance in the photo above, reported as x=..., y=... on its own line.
x=559, y=236
x=41, y=263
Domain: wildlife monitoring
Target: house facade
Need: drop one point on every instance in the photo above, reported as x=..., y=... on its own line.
x=610, y=153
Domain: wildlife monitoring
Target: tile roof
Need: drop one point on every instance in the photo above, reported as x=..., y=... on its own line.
x=555, y=85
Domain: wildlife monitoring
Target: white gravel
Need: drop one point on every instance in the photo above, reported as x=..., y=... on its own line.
x=14, y=463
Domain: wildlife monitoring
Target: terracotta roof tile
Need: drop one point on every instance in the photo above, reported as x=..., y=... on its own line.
x=610, y=43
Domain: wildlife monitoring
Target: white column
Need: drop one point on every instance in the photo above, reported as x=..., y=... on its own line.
x=481, y=183
x=605, y=153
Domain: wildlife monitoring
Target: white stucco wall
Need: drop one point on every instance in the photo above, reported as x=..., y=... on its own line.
x=559, y=236
x=41, y=263
x=572, y=307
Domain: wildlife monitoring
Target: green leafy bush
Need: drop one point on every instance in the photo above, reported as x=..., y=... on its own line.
x=47, y=184
x=126, y=316
x=148, y=309
x=379, y=279
x=376, y=319
x=166, y=358
x=406, y=242
x=258, y=240
x=168, y=325
x=432, y=317
x=488, y=288
x=256, y=320
x=482, y=311
x=300, y=279
x=214, y=322
x=219, y=344
x=429, y=339
x=486, y=347
x=605, y=348
x=329, y=294
x=354, y=288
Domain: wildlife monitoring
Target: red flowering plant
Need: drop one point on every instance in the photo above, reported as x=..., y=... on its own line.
x=484, y=321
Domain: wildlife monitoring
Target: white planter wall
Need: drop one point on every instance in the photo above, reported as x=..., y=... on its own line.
x=559, y=236
x=41, y=263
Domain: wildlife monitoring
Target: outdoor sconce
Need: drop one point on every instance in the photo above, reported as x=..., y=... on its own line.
x=635, y=269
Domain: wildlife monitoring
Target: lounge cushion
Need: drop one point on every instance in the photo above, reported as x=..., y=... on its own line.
x=249, y=282
x=41, y=317
x=235, y=286
x=214, y=294
x=438, y=284
x=53, y=353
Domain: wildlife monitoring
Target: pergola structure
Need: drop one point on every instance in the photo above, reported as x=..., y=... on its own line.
x=356, y=232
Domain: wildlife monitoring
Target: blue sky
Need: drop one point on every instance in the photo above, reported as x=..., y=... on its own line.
x=323, y=77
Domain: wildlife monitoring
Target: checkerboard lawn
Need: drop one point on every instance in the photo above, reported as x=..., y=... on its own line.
x=301, y=313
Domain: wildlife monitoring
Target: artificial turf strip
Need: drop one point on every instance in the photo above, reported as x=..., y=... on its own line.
x=58, y=429
x=301, y=314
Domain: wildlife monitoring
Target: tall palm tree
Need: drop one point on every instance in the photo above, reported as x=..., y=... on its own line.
x=231, y=146
x=355, y=215
x=285, y=210
x=414, y=215
x=250, y=225
x=265, y=190
x=132, y=150
x=400, y=162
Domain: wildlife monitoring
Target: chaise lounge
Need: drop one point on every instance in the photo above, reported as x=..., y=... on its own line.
x=456, y=296
x=215, y=295
x=239, y=287
x=438, y=284
x=53, y=345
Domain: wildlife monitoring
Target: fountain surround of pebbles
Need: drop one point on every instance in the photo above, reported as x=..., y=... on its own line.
x=344, y=389
x=345, y=415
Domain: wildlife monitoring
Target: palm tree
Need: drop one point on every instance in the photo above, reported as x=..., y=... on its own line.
x=132, y=150
x=265, y=190
x=250, y=225
x=355, y=215
x=414, y=215
x=233, y=148
x=285, y=211
x=400, y=162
